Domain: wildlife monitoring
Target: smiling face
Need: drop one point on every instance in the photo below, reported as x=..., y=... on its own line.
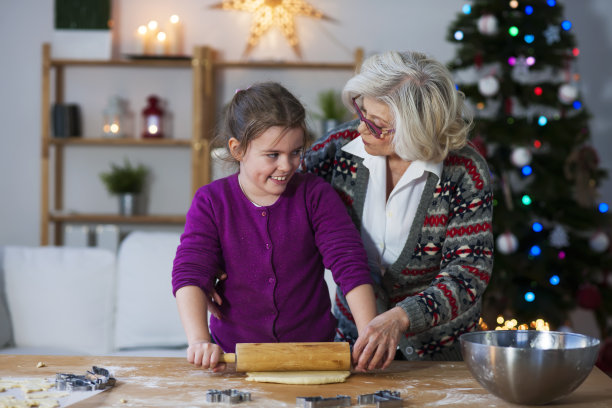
x=269, y=162
x=378, y=113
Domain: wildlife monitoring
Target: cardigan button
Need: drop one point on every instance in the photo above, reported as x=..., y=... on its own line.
x=263, y=213
x=268, y=246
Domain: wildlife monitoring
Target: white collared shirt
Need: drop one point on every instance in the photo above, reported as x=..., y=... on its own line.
x=386, y=223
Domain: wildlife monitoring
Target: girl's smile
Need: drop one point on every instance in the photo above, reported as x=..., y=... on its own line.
x=269, y=162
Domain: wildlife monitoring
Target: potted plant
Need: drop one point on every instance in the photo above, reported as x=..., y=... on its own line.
x=332, y=110
x=127, y=182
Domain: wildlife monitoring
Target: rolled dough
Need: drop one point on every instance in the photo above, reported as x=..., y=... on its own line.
x=299, y=377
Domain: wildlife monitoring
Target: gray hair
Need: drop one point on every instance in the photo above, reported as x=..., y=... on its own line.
x=430, y=115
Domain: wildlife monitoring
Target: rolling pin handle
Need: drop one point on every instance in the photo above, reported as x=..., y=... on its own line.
x=227, y=358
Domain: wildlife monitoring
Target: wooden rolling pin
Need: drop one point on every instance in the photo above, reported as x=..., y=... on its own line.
x=290, y=357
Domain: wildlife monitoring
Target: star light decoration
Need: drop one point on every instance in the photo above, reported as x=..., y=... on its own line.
x=269, y=13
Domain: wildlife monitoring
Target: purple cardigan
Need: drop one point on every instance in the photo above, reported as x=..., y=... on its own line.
x=274, y=257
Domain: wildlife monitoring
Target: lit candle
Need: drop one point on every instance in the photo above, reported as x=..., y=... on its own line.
x=143, y=38
x=152, y=30
x=161, y=44
x=175, y=35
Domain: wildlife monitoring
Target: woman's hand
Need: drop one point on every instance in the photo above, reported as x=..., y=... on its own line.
x=214, y=300
x=206, y=355
x=376, y=347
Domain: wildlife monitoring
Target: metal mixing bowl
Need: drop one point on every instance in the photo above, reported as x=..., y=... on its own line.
x=529, y=366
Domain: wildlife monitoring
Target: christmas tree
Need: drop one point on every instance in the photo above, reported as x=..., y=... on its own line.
x=515, y=62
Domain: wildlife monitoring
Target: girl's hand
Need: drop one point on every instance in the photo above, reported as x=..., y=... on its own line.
x=377, y=346
x=206, y=355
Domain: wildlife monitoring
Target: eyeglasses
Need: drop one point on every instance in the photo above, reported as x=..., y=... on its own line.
x=374, y=130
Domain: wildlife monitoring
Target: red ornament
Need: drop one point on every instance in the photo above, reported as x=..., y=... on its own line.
x=478, y=60
x=589, y=296
x=508, y=106
x=479, y=144
x=152, y=115
x=604, y=360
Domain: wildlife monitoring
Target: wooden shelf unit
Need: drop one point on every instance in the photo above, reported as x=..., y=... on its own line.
x=204, y=66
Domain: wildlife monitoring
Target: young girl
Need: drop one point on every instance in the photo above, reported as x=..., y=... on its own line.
x=273, y=232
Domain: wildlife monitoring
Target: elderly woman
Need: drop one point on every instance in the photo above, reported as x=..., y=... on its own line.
x=421, y=197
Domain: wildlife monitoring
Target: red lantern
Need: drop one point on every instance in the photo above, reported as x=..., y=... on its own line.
x=153, y=119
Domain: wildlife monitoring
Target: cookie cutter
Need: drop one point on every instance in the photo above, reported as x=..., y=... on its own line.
x=229, y=396
x=382, y=399
x=97, y=379
x=320, y=402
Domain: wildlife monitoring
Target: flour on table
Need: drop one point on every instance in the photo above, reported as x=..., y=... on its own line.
x=299, y=377
x=29, y=392
x=27, y=385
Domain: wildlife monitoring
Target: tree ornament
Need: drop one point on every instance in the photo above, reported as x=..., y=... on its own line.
x=478, y=60
x=599, y=241
x=589, y=296
x=581, y=166
x=604, y=360
x=506, y=243
x=488, y=86
x=552, y=34
x=558, y=237
x=508, y=106
x=521, y=67
x=487, y=24
x=567, y=93
x=479, y=144
x=521, y=156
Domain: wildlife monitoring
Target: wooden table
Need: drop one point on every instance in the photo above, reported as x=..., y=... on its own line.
x=172, y=382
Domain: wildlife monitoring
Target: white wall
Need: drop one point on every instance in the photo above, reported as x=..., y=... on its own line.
x=373, y=25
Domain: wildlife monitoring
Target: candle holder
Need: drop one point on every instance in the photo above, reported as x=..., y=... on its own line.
x=115, y=118
x=152, y=116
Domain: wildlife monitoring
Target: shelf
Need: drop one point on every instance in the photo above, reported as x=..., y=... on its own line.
x=119, y=142
x=284, y=65
x=141, y=63
x=117, y=219
x=204, y=67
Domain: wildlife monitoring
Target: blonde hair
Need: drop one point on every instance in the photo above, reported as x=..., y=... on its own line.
x=430, y=115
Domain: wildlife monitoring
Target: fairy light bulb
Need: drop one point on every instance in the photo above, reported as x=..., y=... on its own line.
x=566, y=25
x=526, y=170
x=513, y=31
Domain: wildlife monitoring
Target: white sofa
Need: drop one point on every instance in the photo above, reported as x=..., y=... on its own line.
x=74, y=301
x=61, y=300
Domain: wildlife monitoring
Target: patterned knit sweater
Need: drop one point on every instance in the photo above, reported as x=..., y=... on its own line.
x=446, y=263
